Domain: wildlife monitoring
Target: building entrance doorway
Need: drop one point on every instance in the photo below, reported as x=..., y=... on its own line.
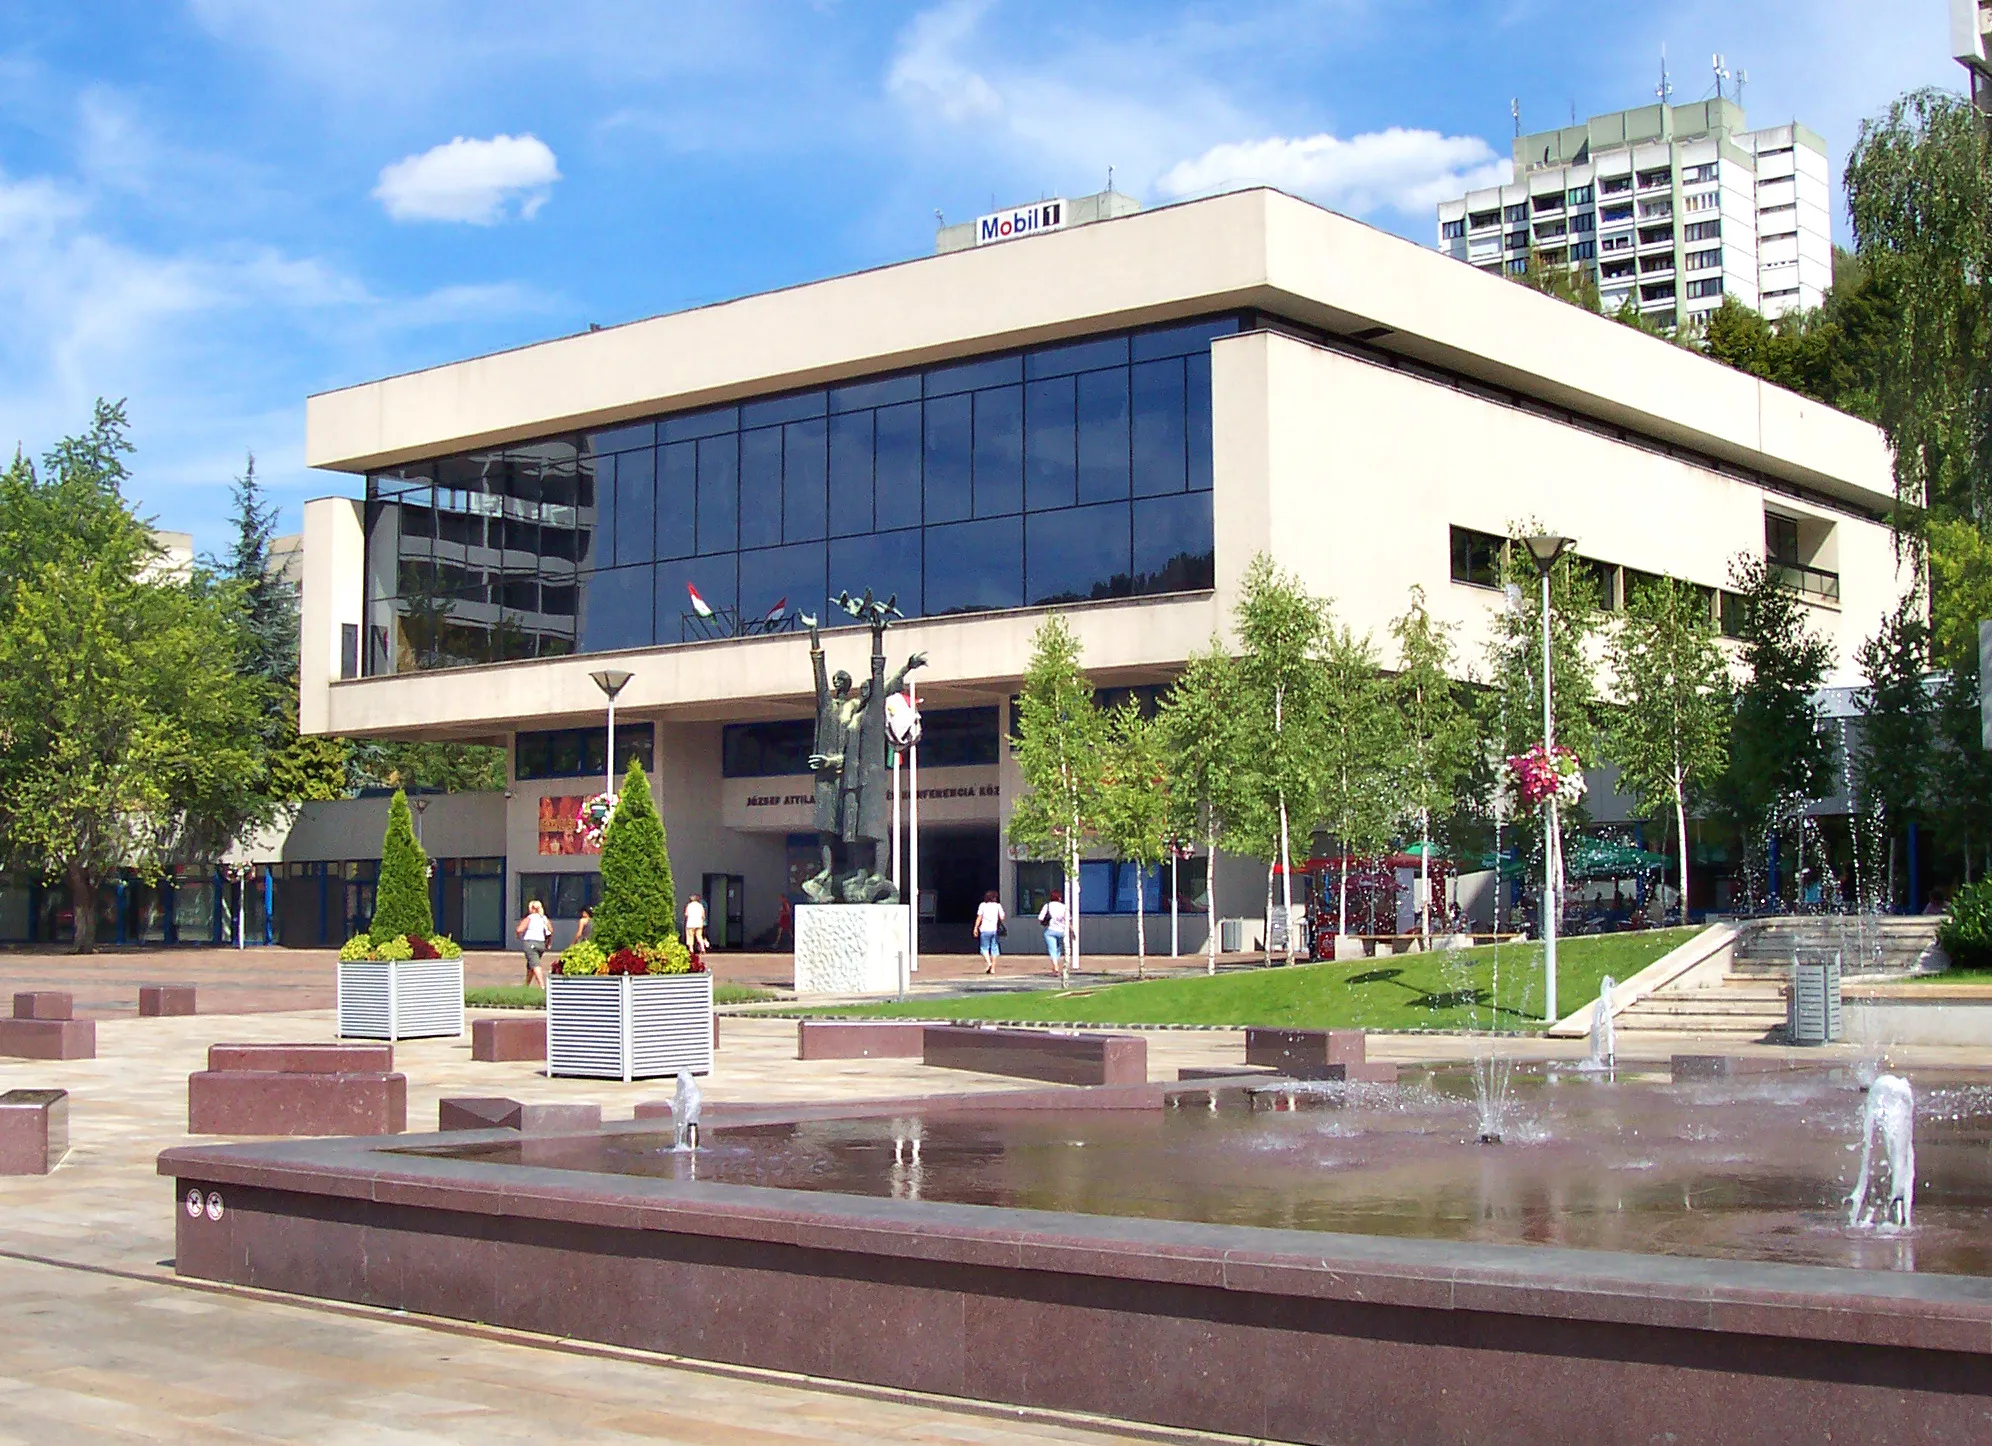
x=725, y=898
x=958, y=865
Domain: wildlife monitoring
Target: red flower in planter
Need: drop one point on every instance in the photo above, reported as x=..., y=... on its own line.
x=698, y=966
x=420, y=948
x=628, y=961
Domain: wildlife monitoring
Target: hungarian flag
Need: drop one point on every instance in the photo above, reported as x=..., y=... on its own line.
x=699, y=604
x=777, y=612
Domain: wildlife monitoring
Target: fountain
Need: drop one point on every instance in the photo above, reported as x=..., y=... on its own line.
x=1604, y=1040
x=1890, y=1113
x=685, y=1106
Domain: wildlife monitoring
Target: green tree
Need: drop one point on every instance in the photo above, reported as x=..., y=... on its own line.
x=1513, y=707
x=1778, y=757
x=1960, y=794
x=1359, y=736
x=1895, y=760
x=448, y=767
x=1198, y=718
x=1435, y=731
x=1134, y=805
x=1282, y=633
x=127, y=735
x=639, y=900
x=1060, y=746
x=1669, y=733
x=401, y=898
x=1577, y=285
x=1919, y=190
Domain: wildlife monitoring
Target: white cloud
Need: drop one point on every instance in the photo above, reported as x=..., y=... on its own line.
x=469, y=180
x=1394, y=169
x=928, y=71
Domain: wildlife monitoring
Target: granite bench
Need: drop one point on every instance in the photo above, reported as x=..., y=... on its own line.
x=513, y=1037
x=1320, y=1054
x=162, y=1001
x=857, y=1039
x=481, y=1112
x=34, y=1131
x=45, y=1026
x=298, y=1089
x=1078, y=1059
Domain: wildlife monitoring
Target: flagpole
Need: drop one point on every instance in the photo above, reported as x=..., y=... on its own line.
x=913, y=841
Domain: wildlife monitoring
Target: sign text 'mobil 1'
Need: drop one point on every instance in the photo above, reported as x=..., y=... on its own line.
x=1023, y=221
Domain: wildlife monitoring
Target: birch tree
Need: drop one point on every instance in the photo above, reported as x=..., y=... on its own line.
x=1060, y=750
x=1282, y=634
x=1669, y=733
x=1198, y=721
x=1134, y=806
x=1435, y=731
x=1359, y=746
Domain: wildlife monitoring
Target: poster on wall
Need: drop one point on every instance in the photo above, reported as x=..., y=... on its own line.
x=560, y=826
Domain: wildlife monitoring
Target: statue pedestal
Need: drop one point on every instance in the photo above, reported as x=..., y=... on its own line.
x=850, y=948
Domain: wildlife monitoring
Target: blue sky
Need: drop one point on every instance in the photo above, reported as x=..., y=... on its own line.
x=216, y=207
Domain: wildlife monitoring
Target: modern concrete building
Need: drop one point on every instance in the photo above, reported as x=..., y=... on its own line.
x=1971, y=43
x=1110, y=420
x=1674, y=207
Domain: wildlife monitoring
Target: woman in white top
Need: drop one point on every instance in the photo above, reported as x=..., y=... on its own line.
x=988, y=929
x=536, y=930
x=695, y=925
x=1053, y=917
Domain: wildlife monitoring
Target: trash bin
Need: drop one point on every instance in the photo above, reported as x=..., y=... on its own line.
x=1231, y=936
x=1812, y=1006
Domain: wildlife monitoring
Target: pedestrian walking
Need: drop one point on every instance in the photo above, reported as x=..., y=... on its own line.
x=1054, y=919
x=695, y=926
x=535, y=931
x=989, y=927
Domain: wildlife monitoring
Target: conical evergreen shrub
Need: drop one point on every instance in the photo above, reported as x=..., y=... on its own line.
x=639, y=904
x=401, y=899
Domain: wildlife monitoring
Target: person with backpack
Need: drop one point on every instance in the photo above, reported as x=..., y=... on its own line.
x=1054, y=919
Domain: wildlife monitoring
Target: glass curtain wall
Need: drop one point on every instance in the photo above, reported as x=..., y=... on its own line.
x=1061, y=474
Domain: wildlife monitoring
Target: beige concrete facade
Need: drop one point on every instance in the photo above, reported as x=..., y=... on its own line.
x=1384, y=395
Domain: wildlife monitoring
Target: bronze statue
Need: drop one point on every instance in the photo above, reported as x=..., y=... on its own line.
x=850, y=763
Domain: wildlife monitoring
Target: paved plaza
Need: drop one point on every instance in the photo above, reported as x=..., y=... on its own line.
x=107, y=1345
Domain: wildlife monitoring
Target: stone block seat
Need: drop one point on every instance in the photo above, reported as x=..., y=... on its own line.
x=34, y=1131
x=858, y=1039
x=1057, y=1056
x=162, y=1001
x=1322, y=1054
x=477, y=1112
x=509, y=1037
x=298, y=1089
x=45, y=1026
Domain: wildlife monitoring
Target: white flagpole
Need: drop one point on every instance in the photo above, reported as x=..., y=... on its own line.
x=913, y=842
x=897, y=759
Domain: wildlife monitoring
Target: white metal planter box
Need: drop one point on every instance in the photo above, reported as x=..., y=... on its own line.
x=400, y=998
x=628, y=1026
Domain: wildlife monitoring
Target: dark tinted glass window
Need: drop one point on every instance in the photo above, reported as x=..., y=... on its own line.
x=1078, y=356
x=1102, y=407
x=622, y=439
x=999, y=451
x=719, y=494
x=779, y=583
x=617, y=613
x=851, y=450
x=577, y=752
x=803, y=461
x=967, y=376
x=1476, y=557
x=598, y=536
x=883, y=392
x=760, y=488
x=958, y=737
x=1051, y=455
x=1077, y=555
x=677, y=499
x=767, y=750
x=1161, y=438
x=635, y=507
x=782, y=409
x=1192, y=336
x=898, y=464
x=1172, y=544
x=950, y=430
x=716, y=422
x=1196, y=399
x=886, y=562
x=974, y=565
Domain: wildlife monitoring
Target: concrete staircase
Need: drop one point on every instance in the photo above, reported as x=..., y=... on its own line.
x=1737, y=992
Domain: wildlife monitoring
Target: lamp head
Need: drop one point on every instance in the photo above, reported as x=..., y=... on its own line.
x=610, y=680
x=1545, y=548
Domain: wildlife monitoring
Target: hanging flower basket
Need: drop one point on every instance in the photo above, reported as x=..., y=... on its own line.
x=593, y=821
x=1538, y=777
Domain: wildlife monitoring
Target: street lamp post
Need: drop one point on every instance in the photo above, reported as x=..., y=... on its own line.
x=1544, y=549
x=611, y=681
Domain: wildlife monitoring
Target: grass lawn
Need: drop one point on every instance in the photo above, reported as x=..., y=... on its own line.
x=527, y=996
x=1414, y=991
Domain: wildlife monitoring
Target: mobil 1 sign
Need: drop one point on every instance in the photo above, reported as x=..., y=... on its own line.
x=1023, y=221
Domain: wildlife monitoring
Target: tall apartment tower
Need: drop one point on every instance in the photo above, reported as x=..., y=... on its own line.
x=1971, y=43
x=1673, y=206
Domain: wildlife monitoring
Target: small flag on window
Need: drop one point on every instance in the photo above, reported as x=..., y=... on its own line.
x=699, y=604
x=777, y=612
